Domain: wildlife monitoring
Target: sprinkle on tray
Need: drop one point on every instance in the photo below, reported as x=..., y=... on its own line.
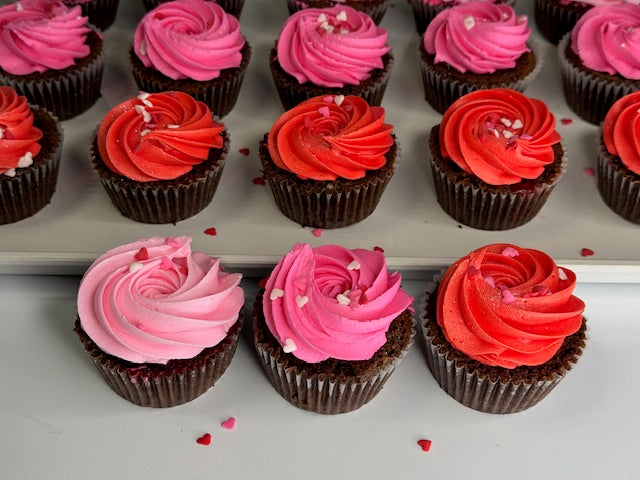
x=316, y=232
x=229, y=423
x=204, y=439
x=258, y=181
x=425, y=445
x=244, y=151
x=586, y=252
x=378, y=249
x=211, y=231
x=589, y=171
x=566, y=121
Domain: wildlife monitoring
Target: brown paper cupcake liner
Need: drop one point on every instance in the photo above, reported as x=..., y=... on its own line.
x=374, y=8
x=32, y=187
x=161, y=386
x=472, y=202
x=101, y=13
x=234, y=7
x=554, y=19
x=589, y=94
x=619, y=187
x=291, y=92
x=492, y=389
x=164, y=201
x=65, y=93
x=443, y=85
x=220, y=94
x=330, y=204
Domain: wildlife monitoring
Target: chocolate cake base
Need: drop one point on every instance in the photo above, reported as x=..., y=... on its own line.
x=554, y=18
x=374, y=8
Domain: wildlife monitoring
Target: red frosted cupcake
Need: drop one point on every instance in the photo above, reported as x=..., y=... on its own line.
x=374, y=8
x=426, y=10
x=502, y=328
x=328, y=160
x=160, y=156
x=330, y=51
x=101, y=13
x=495, y=159
x=234, y=7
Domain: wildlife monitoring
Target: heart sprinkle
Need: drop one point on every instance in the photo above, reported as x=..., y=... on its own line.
x=425, y=445
x=589, y=171
x=135, y=266
x=258, y=181
x=289, y=346
x=211, y=231
x=244, y=151
x=275, y=294
x=204, y=439
x=343, y=299
x=229, y=423
x=301, y=300
x=510, y=252
x=338, y=99
x=586, y=252
x=566, y=121
x=316, y=232
x=142, y=254
x=507, y=297
x=378, y=249
x=324, y=111
x=562, y=275
x=353, y=265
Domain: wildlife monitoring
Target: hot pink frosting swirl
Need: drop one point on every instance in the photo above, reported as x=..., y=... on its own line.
x=456, y=2
x=607, y=39
x=193, y=39
x=331, y=47
x=597, y=3
x=620, y=131
x=477, y=37
x=331, y=302
x=40, y=35
x=155, y=300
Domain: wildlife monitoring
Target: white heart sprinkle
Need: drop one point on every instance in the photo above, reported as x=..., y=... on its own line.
x=353, y=265
x=562, y=275
x=143, y=47
x=289, y=346
x=517, y=124
x=1, y=133
x=344, y=31
x=338, y=99
x=469, y=22
x=10, y=172
x=322, y=18
x=172, y=125
x=26, y=160
x=146, y=116
x=275, y=294
x=342, y=16
x=19, y=7
x=506, y=122
x=144, y=98
x=343, y=299
x=507, y=134
x=145, y=132
x=135, y=266
x=301, y=300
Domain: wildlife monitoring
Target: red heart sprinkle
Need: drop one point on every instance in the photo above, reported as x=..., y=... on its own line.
x=566, y=121
x=211, y=231
x=204, y=439
x=244, y=151
x=316, y=232
x=589, y=171
x=586, y=252
x=229, y=424
x=143, y=254
x=425, y=445
x=378, y=249
x=258, y=181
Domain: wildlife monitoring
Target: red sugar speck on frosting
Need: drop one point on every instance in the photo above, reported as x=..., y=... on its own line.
x=589, y=171
x=586, y=252
x=258, y=181
x=244, y=151
x=143, y=254
x=229, y=423
x=425, y=445
x=566, y=121
x=211, y=231
x=316, y=232
x=204, y=439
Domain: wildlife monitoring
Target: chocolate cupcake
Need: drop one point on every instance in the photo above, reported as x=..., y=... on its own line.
x=152, y=363
x=554, y=18
x=152, y=171
x=234, y=7
x=361, y=59
x=101, y=13
x=327, y=342
x=510, y=360
x=374, y=8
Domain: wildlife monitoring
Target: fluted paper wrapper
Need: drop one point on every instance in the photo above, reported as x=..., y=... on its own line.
x=234, y=7
x=554, y=18
x=619, y=187
x=374, y=8
x=158, y=386
x=424, y=13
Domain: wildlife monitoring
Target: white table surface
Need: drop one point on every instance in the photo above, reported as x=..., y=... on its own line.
x=59, y=419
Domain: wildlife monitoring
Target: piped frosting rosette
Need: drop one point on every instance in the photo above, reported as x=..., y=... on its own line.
x=374, y=8
x=234, y=7
x=424, y=11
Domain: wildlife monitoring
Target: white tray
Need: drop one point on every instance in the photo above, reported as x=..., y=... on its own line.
x=417, y=236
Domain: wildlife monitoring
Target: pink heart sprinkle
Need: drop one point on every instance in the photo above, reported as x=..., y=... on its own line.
x=324, y=111
x=300, y=283
x=378, y=249
x=425, y=445
x=507, y=297
x=566, y=121
x=327, y=99
x=229, y=424
x=586, y=252
x=143, y=254
x=258, y=181
x=490, y=281
x=244, y=151
x=211, y=231
x=510, y=252
x=316, y=232
x=589, y=171
x=204, y=439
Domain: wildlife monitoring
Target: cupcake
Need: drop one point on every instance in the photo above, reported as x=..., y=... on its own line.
x=234, y=7
x=192, y=46
x=330, y=51
x=600, y=60
x=50, y=55
x=101, y=13
x=476, y=46
x=160, y=156
x=30, y=150
x=330, y=327
x=502, y=328
x=495, y=159
x=160, y=323
x=328, y=160
x=426, y=10
x=374, y=8
x=619, y=158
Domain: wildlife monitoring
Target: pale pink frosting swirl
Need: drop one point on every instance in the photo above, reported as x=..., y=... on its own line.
x=155, y=300
x=331, y=47
x=477, y=37
x=41, y=35
x=193, y=39
x=607, y=39
x=331, y=302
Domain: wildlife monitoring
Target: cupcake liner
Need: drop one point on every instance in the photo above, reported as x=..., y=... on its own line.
x=619, y=187
x=291, y=92
x=32, y=187
x=161, y=386
x=374, y=8
x=443, y=86
x=65, y=93
x=588, y=93
x=164, y=201
x=220, y=94
x=553, y=19
x=101, y=13
x=472, y=202
x=234, y=7
x=491, y=389
x=330, y=204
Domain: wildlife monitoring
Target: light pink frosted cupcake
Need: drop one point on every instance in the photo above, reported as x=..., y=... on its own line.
x=426, y=10
x=330, y=51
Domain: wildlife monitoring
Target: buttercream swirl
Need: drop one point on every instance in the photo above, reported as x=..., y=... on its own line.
x=620, y=131
x=499, y=135
x=477, y=37
x=18, y=137
x=331, y=302
x=41, y=35
x=158, y=136
x=327, y=137
x=193, y=39
x=596, y=3
x=331, y=47
x=155, y=300
x=607, y=39
x=507, y=306
x=456, y=2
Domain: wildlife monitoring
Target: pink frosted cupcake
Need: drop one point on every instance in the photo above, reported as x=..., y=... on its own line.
x=476, y=46
x=192, y=46
x=426, y=10
x=374, y=8
x=101, y=13
x=160, y=323
x=600, y=60
x=49, y=54
x=330, y=326
x=234, y=7
x=330, y=51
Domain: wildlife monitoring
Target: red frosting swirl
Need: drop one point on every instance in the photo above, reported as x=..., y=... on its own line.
x=159, y=136
x=507, y=306
x=18, y=137
x=499, y=135
x=621, y=131
x=327, y=137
